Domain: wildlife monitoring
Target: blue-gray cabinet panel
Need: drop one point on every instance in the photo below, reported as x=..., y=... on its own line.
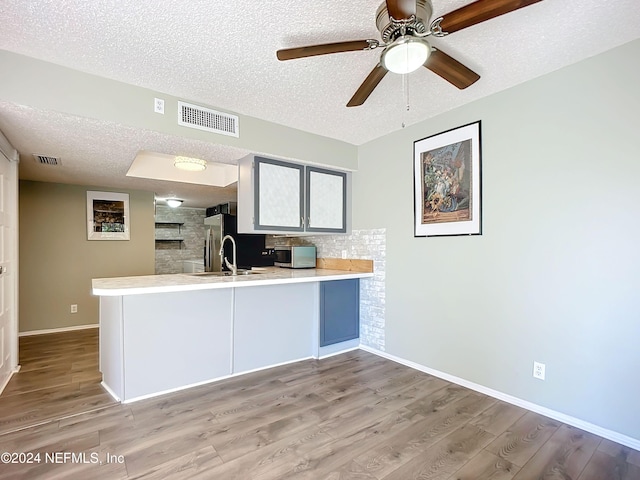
x=339, y=311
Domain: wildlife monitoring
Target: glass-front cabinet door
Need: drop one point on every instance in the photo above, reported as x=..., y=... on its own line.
x=326, y=209
x=278, y=196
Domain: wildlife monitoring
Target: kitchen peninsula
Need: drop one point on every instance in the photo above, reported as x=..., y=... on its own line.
x=162, y=333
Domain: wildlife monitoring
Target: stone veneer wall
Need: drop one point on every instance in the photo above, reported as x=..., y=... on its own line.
x=169, y=256
x=360, y=244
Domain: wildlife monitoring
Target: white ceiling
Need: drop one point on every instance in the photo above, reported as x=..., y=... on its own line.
x=223, y=54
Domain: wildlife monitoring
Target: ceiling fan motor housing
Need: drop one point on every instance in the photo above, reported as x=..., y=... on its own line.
x=390, y=30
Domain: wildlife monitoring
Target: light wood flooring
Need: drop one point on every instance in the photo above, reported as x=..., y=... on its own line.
x=58, y=376
x=352, y=416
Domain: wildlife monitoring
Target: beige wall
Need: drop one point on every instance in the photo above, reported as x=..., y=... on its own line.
x=57, y=262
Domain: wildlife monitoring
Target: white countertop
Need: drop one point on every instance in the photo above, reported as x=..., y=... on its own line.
x=181, y=282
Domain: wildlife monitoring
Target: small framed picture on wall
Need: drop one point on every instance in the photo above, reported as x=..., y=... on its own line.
x=107, y=216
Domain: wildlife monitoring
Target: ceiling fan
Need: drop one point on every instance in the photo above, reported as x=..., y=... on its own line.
x=404, y=26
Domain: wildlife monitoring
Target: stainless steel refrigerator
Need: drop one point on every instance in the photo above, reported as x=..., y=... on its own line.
x=250, y=246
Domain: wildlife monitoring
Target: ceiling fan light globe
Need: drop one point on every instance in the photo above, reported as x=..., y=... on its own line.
x=405, y=55
x=190, y=164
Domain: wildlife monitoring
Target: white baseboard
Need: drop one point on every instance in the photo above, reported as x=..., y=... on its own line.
x=338, y=348
x=338, y=352
x=170, y=390
x=6, y=382
x=274, y=365
x=110, y=392
x=198, y=384
x=57, y=330
x=547, y=412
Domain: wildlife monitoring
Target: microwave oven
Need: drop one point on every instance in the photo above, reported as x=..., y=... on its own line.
x=298, y=256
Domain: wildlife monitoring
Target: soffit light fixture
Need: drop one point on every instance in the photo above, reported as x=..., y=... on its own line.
x=190, y=164
x=173, y=202
x=405, y=55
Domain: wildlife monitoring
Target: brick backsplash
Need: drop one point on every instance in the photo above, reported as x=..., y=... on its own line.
x=360, y=244
x=169, y=256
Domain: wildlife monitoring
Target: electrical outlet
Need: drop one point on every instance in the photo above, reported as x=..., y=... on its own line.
x=74, y=308
x=158, y=105
x=344, y=254
x=538, y=370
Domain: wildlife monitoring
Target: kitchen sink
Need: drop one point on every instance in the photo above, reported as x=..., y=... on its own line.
x=225, y=273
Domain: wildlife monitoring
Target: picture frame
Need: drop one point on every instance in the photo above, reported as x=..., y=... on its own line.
x=107, y=216
x=447, y=178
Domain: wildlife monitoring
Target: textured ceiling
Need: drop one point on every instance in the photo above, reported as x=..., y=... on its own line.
x=223, y=54
x=83, y=143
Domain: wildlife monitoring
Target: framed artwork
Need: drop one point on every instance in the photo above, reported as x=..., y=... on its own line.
x=448, y=183
x=107, y=216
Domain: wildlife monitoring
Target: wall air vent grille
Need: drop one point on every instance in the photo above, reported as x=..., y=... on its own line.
x=202, y=118
x=46, y=160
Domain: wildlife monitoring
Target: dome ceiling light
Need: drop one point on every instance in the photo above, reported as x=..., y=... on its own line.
x=190, y=164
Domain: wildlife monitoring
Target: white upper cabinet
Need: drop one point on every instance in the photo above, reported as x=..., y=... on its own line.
x=278, y=200
x=326, y=200
x=276, y=196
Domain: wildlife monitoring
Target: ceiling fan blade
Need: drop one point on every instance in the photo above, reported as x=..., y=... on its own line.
x=450, y=69
x=480, y=11
x=323, y=49
x=369, y=84
x=401, y=9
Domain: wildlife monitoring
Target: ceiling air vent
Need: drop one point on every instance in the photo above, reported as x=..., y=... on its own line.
x=46, y=160
x=206, y=119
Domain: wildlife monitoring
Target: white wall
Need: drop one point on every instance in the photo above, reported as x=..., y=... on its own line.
x=555, y=276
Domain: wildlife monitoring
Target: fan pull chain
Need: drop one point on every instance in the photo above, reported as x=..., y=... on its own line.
x=405, y=92
x=405, y=81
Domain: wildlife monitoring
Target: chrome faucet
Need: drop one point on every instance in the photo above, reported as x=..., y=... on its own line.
x=231, y=266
